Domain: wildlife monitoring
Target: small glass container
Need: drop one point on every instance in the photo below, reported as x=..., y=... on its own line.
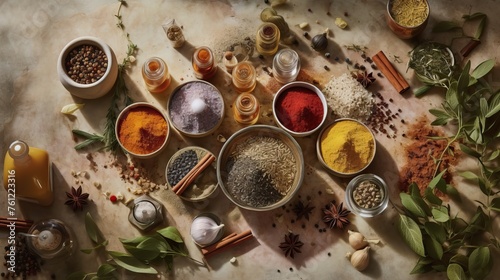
x=145, y=213
x=246, y=109
x=204, y=65
x=268, y=39
x=244, y=77
x=230, y=61
x=50, y=239
x=286, y=66
x=174, y=33
x=367, y=195
x=155, y=74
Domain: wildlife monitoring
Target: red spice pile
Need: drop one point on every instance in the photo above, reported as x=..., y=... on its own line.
x=299, y=109
x=420, y=155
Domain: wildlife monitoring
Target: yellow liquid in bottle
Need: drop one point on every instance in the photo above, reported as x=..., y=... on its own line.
x=29, y=178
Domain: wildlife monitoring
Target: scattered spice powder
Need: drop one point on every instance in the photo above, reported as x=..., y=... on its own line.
x=420, y=154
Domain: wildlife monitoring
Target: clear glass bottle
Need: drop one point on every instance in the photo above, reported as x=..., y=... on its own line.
x=174, y=33
x=145, y=212
x=246, y=109
x=27, y=174
x=204, y=65
x=268, y=39
x=286, y=66
x=155, y=74
x=244, y=77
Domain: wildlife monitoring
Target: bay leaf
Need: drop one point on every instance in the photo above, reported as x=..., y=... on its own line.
x=92, y=230
x=171, y=233
x=411, y=234
x=135, y=240
x=131, y=263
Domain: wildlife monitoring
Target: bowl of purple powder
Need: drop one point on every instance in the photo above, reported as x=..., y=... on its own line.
x=195, y=108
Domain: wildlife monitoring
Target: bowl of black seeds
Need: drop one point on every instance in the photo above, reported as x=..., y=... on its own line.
x=87, y=67
x=260, y=167
x=181, y=163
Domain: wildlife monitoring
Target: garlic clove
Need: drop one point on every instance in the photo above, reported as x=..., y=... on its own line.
x=205, y=231
x=357, y=240
x=360, y=259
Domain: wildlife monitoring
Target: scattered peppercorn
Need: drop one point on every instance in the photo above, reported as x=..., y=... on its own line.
x=279, y=271
x=327, y=55
x=309, y=10
x=402, y=121
x=261, y=56
x=306, y=34
x=390, y=100
x=274, y=225
x=329, y=254
x=380, y=75
x=326, y=68
x=328, y=13
x=346, y=14
x=291, y=269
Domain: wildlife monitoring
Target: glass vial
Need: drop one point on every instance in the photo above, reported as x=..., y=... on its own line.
x=155, y=74
x=268, y=39
x=246, y=109
x=230, y=61
x=286, y=66
x=204, y=65
x=28, y=174
x=174, y=33
x=244, y=77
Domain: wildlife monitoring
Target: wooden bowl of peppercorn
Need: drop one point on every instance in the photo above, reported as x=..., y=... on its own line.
x=87, y=67
x=299, y=108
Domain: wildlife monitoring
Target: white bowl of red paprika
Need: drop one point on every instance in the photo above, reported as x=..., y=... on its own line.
x=142, y=130
x=299, y=108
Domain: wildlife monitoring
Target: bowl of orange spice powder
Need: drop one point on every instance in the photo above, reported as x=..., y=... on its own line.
x=142, y=130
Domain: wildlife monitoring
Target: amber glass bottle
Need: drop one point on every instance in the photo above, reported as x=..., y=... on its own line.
x=246, y=109
x=267, y=39
x=204, y=65
x=155, y=74
x=244, y=77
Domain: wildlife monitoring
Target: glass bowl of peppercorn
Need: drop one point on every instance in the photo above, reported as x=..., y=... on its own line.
x=299, y=108
x=87, y=67
x=260, y=167
x=367, y=195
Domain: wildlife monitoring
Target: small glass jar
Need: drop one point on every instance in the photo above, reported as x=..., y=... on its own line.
x=244, y=77
x=174, y=33
x=268, y=39
x=145, y=213
x=230, y=61
x=246, y=109
x=286, y=66
x=362, y=200
x=50, y=239
x=155, y=74
x=204, y=65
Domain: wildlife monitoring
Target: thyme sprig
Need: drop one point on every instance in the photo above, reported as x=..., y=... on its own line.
x=120, y=95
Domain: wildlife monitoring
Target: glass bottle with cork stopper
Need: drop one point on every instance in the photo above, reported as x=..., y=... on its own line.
x=286, y=66
x=204, y=65
x=155, y=74
x=246, y=109
x=174, y=33
x=268, y=39
x=28, y=173
x=244, y=77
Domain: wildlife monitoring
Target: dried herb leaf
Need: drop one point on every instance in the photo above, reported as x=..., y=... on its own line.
x=480, y=263
x=411, y=234
x=130, y=263
x=455, y=272
x=419, y=92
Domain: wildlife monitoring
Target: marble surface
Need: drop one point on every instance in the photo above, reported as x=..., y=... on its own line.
x=31, y=97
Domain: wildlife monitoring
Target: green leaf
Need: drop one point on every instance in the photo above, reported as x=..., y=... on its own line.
x=130, y=263
x=433, y=248
x=171, y=233
x=411, y=234
x=89, y=250
x=494, y=106
x=440, y=121
x=79, y=275
x=436, y=231
x=460, y=259
x=434, y=182
x=431, y=197
x=473, y=16
x=445, y=26
x=483, y=68
x=483, y=106
x=105, y=269
x=452, y=96
x=485, y=188
x=439, y=268
x=455, y=272
x=494, y=155
x=414, y=190
x=480, y=28
x=463, y=80
x=135, y=240
x=478, y=222
x=480, y=263
x=471, y=152
x=452, y=192
x=419, y=92
x=439, y=215
x=411, y=205
x=423, y=265
x=439, y=113
x=468, y=175
x=144, y=255
x=92, y=230
x=495, y=204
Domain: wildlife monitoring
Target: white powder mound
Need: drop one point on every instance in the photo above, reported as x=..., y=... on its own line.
x=348, y=98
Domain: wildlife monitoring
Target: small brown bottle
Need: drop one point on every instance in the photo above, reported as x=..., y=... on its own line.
x=246, y=109
x=268, y=39
x=204, y=65
x=155, y=74
x=244, y=77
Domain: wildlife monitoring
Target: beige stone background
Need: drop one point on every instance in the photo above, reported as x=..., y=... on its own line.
x=31, y=97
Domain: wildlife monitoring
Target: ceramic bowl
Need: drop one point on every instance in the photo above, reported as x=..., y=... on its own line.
x=370, y=211
x=98, y=88
x=238, y=139
x=285, y=89
x=179, y=108
x=405, y=32
x=339, y=173
x=122, y=116
x=206, y=183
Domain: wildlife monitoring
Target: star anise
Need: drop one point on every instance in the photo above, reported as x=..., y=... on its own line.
x=76, y=198
x=302, y=210
x=291, y=245
x=336, y=216
x=364, y=78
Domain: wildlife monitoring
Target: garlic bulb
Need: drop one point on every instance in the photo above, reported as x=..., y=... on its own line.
x=358, y=241
x=205, y=230
x=360, y=258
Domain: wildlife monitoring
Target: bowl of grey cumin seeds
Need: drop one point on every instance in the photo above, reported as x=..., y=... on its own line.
x=260, y=167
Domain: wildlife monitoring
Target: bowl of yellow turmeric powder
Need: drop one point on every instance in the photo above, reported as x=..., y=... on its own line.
x=346, y=147
x=142, y=130
x=406, y=18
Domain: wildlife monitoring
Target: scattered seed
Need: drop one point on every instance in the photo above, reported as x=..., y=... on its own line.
x=309, y=10
x=326, y=68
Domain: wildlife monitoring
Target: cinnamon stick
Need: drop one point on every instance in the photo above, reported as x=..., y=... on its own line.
x=394, y=77
x=193, y=174
x=200, y=163
x=227, y=243
x=467, y=49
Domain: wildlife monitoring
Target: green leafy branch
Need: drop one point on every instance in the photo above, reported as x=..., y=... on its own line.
x=142, y=251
